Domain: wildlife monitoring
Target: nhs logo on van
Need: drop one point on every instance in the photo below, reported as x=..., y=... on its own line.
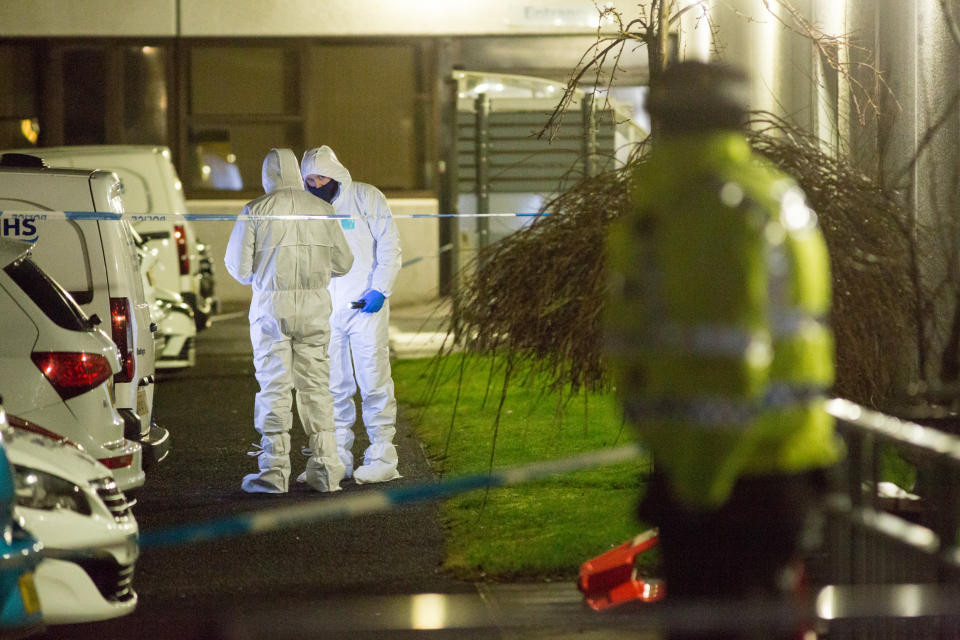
x=19, y=226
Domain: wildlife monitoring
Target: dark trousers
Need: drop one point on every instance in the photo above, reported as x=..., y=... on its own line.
x=739, y=554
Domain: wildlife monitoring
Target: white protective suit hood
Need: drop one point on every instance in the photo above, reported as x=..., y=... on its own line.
x=282, y=259
x=322, y=161
x=368, y=225
x=280, y=170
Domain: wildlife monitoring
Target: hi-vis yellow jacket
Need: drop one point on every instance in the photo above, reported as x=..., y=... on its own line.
x=716, y=322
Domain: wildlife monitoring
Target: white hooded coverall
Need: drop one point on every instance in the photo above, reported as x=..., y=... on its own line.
x=289, y=263
x=375, y=242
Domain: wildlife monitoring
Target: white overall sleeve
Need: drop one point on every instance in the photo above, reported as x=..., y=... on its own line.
x=386, y=239
x=239, y=255
x=341, y=257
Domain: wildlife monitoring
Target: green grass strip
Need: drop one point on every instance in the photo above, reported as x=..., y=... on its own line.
x=538, y=530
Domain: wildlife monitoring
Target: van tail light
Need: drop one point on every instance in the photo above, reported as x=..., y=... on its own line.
x=72, y=373
x=180, y=235
x=121, y=325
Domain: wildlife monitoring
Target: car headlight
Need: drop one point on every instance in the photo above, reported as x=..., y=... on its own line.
x=39, y=490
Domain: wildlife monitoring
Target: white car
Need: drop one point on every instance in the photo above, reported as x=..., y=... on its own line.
x=95, y=259
x=20, y=555
x=72, y=505
x=175, y=343
x=146, y=259
x=57, y=368
x=153, y=194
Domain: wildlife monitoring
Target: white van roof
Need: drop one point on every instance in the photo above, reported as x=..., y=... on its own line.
x=150, y=180
x=54, y=189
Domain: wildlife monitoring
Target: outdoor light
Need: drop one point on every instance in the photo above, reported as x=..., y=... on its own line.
x=30, y=129
x=428, y=611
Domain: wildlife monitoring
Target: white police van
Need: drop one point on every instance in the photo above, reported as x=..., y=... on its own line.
x=94, y=257
x=153, y=194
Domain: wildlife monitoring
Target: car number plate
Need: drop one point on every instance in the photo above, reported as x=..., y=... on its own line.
x=28, y=591
x=142, y=409
x=133, y=546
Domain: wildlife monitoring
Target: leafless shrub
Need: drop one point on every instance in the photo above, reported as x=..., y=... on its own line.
x=537, y=296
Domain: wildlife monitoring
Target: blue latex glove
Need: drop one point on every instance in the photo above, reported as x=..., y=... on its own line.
x=373, y=301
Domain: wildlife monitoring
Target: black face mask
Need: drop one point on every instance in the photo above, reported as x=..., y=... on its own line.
x=326, y=192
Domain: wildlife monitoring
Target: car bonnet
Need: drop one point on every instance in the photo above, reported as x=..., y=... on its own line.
x=43, y=453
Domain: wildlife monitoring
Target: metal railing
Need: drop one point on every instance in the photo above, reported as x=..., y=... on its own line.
x=891, y=558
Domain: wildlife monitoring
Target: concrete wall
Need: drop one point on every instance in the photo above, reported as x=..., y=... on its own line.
x=879, y=125
x=921, y=65
x=746, y=36
x=787, y=72
x=88, y=18
x=417, y=283
x=216, y=18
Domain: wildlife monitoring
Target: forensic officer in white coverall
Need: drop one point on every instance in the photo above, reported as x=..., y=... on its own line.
x=360, y=320
x=289, y=263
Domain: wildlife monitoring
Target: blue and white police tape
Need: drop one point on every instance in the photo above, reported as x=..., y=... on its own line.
x=412, y=261
x=229, y=217
x=333, y=507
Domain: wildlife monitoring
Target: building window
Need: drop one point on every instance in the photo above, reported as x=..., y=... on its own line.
x=145, y=97
x=84, y=96
x=242, y=102
x=19, y=100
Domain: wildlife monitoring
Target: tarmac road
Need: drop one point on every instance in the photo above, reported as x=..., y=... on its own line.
x=193, y=590
x=374, y=576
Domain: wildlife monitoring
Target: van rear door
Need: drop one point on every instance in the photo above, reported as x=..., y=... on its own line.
x=125, y=283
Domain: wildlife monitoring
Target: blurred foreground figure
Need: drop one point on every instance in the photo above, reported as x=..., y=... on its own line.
x=289, y=263
x=717, y=339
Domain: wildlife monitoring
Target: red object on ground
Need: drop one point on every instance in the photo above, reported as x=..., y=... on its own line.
x=611, y=578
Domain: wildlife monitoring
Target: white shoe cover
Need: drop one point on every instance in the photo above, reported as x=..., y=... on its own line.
x=273, y=458
x=270, y=481
x=320, y=477
x=324, y=471
x=379, y=464
x=345, y=449
x=345, y=457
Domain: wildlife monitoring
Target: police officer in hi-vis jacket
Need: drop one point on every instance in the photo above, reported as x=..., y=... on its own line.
x=716, y=334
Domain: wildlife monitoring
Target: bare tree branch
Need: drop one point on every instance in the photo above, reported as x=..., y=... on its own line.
x=864, y=98
x=594, y=61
